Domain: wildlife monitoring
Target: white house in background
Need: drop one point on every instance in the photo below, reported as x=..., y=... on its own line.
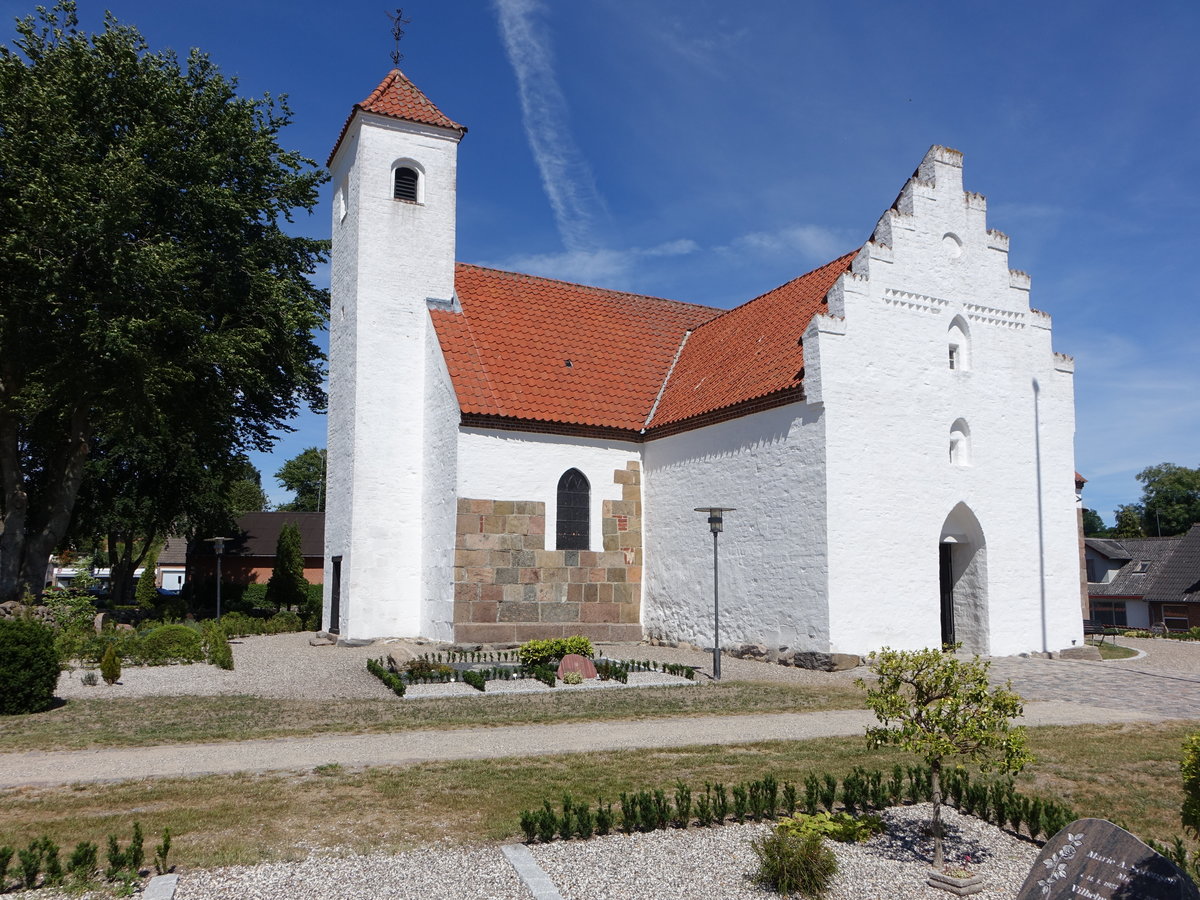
x=514, y=457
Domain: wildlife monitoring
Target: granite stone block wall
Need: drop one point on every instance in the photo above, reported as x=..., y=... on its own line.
x=508, y=587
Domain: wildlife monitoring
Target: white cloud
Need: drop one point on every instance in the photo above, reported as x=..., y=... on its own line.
x=604, y=267
x=814, y=242
x=566, y=176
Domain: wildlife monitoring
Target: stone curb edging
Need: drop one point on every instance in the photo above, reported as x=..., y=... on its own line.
x=531, y=874
x=161, y=887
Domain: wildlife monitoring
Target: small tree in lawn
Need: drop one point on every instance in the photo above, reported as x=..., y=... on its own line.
x=937, y=706
x=146, y=593
x=288, y=587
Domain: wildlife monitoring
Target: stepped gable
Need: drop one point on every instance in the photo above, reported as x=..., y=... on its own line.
x=532, y=349
x=748, y=353
x=398, y=98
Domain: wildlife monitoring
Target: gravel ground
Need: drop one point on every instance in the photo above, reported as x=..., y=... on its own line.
x=427, y=874
x=1162, y=654
x=287, y=667
x=718, y=862
x=698, y=864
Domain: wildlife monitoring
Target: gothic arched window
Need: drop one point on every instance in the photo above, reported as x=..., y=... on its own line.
x=574, y=511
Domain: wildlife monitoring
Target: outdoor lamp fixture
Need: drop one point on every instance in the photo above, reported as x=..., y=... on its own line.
x=716, y=523
x=218, y=548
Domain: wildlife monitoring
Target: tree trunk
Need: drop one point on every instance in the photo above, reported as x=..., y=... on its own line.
x=24, y=551
x=935, y=784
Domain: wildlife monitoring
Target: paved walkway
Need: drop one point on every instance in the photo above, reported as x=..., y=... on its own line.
x=410, y=747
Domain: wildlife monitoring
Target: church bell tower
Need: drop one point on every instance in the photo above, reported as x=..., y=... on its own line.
x=394, y=173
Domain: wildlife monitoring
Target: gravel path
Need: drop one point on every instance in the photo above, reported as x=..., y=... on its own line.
x=699, y=864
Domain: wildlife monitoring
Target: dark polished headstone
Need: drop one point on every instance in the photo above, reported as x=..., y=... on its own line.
x=1092, y=859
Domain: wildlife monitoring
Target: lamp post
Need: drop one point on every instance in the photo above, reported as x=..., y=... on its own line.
x=218, y=548
x=716, y=523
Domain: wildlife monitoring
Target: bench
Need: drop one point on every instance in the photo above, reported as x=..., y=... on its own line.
x=1094, y=628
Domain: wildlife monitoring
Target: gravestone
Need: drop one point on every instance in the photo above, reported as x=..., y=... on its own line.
x=573, y=662
x=1095, y=860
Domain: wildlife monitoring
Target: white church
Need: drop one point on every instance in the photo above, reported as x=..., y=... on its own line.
x=513, y=457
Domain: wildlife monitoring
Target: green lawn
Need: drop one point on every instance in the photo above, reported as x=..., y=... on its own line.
x=1126, y=773
x=86, y=724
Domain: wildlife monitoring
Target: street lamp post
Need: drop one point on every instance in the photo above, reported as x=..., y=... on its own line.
x=716, y=523
x=218, y=548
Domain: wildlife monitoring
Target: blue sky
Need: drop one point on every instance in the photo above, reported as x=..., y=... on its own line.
x=706, y=151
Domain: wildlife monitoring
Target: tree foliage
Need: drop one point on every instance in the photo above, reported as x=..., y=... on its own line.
x=288, y=587
x=156, y=318
x=1170, y=501
x=1129, y=522
x=1093, y=525
x=938, y=706
x=147, y=591
x=304, y=475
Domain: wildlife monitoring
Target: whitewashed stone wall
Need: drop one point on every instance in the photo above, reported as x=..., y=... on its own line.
x=517, y=465
x=773, y=554
x=390, y=258
x=878, y=364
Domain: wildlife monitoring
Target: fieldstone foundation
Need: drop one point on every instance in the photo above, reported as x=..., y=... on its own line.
x=508, y=587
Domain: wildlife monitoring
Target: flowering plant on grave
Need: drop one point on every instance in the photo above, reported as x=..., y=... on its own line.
x=960, y=870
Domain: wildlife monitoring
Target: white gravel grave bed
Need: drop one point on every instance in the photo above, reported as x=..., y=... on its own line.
x=699, y=864
x=533, y=686
x=704, y=863
x=426, y=874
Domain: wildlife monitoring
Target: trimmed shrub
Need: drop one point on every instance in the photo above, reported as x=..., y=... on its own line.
x=110, y=665
x=217, y=651
x=1190, y=767
x=841, y=826
x=542, y=653
x=170, y=644
x=790, y=863
x=29, y=667
x=287, y=586
x=146, y=592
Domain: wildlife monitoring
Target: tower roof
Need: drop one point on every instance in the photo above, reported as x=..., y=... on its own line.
x=398, y=98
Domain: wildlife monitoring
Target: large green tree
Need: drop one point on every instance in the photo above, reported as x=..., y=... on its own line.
x=1170, y=501
x=1093, y=525
x=151, y=298
x=304, y=475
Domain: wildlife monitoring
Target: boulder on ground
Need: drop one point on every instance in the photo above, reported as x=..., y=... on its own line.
x=573, y=662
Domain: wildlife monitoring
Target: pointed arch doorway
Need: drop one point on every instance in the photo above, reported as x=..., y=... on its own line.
x=962, y=569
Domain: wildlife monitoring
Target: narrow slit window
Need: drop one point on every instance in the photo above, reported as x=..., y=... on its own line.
x=405, y=184
x=574, y=511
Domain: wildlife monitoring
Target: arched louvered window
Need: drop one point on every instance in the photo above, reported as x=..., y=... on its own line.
x=574, y=511
x=406, y=184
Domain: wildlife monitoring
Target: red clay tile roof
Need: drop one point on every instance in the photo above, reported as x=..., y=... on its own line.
x=748, y=352
x=508, y=350
x=398, y=98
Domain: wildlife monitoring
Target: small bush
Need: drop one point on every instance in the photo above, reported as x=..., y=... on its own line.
x=1190, y=768
x=168, y=644
x=427, y=670
x=529, y=825
x=542, y=653
x=545, y=675
x=284, y=623
x=572, y=678
x=29, y=667
x=217, y=651
x=475, y=680
x=608, y=671
x=30, y=863
x=110, y=665
x=790, y=863
x=82, y=861
x=6, y=855
x=391, y=679
x=841, y=826
x=160, y=853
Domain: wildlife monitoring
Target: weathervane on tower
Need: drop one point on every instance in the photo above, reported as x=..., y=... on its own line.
x=398, y=23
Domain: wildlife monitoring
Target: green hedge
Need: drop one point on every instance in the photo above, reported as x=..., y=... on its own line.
x=28, y=666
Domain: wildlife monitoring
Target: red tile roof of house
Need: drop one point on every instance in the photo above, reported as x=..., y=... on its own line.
x=398, y=98
x=748, y=352
x=540, y=350
x=551, y=351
